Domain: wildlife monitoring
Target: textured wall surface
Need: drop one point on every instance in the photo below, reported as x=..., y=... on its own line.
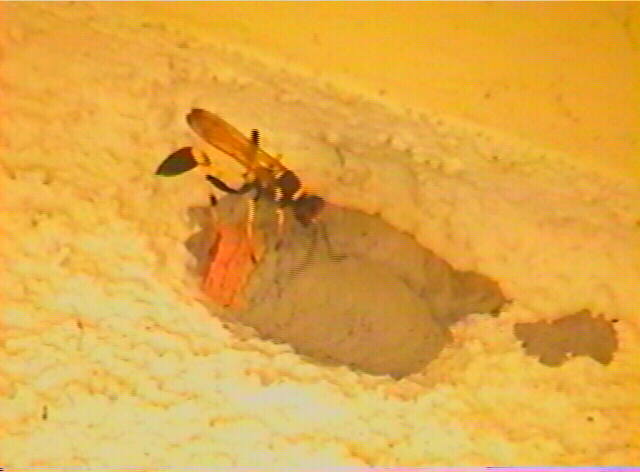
x=566, y=76
x=109, y=358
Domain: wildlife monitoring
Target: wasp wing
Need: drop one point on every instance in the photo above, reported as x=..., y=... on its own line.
x=177, y=163
x=221, y=135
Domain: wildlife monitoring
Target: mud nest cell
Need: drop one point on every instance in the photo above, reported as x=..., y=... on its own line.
x=350, y=290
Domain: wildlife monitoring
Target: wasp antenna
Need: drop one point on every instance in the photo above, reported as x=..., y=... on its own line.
x=255, y=137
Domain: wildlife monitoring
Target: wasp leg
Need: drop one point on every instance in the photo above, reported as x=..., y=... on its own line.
x=280, y=215
x=330, y=251
x=278, y=197
x=220, y=185
x=308, y=257
x=251, y=216
x=213, y=204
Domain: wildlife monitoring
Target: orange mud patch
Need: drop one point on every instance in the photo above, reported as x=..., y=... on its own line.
x=233, y=258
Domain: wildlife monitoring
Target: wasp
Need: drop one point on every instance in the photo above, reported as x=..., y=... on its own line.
x=264, y=174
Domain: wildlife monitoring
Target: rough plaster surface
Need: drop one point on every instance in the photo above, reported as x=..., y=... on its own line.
x=559, y=74
x=107, y=357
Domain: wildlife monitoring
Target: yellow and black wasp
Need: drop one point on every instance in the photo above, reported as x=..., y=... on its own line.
x=264, y=174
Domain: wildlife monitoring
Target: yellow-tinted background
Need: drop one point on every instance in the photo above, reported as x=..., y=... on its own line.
x=563, y=75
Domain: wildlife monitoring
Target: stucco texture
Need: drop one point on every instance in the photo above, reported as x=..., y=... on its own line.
x=108, y=357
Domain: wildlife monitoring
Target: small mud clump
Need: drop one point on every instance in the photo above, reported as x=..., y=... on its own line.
x=579, y=334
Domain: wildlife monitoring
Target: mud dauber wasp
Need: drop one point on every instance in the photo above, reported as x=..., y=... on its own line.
x=264, y=174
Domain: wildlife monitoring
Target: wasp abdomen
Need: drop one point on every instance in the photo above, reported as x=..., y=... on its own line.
x=307, y=207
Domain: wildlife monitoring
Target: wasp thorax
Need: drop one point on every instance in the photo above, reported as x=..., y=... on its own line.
x=289, y=183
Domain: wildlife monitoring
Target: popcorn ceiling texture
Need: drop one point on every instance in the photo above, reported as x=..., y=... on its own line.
x=108, y=358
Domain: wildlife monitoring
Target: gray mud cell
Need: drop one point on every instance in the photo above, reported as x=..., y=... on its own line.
x=351, y=290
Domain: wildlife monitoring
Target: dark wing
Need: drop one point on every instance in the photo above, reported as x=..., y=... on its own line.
x=177, y=163
x=221, y=135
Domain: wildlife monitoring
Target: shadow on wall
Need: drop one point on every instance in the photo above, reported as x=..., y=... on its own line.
x=352, y=290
